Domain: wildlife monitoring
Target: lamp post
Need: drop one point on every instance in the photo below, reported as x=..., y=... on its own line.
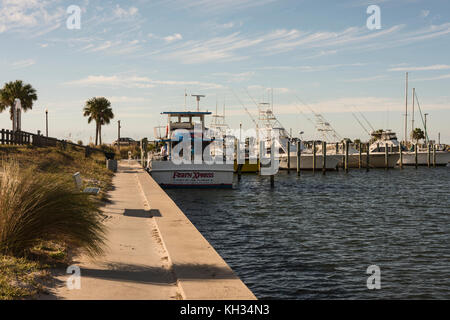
x=46, y=122
x=425, y=125
x=118, y=135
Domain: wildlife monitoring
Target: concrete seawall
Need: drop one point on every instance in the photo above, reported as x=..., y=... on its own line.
x=152, y=251
x=200, y=271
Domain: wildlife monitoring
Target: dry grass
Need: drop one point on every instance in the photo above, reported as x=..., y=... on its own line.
x=20, y=278
x=63, y=163
x=43, y=216
x=36, y=206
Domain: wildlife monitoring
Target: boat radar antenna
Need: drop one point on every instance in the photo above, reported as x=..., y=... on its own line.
x=198, y=96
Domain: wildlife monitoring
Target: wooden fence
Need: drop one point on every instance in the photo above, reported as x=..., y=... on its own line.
x=10, y=137
x=26, y=138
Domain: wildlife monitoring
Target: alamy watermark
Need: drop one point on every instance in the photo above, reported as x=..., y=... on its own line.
x=374, y=20
x=74, y=281
x=73, y=22
x=374, y=280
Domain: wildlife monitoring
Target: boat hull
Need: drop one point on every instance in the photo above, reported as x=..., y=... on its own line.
x=307, y=163
x=169, y=175
x=376, y=160
x=409, y=158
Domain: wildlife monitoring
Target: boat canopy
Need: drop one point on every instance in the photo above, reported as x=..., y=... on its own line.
x=186, y=113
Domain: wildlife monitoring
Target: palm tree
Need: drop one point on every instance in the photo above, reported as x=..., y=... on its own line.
x=98, y=109
x=417, y=134
x=17, y=90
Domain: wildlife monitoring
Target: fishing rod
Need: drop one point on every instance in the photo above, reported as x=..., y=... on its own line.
x=245, y=108
x=325, y=125
x=362, y=126
x=367, y=121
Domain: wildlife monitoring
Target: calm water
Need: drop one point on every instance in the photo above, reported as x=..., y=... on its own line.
x=313, y=237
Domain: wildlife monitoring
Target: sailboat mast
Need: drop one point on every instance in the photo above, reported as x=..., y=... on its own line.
x=412, y=116
x=406, y=110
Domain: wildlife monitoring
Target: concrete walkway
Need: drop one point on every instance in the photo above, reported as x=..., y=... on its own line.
x=135, y=265
x=154, y=251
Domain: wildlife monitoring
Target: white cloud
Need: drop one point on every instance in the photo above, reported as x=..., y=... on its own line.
x=23, y=15
x=423, y=68
x=113, y=47
x=136, y=82
x=234, y=77
x=125, y=99
x=366, y=79
x=228, y=25
x=442, y=77
x=216, y=6
x=173, y=37
x=122, y=13
x=237, y=46
x=314, y=68
x=23, y=64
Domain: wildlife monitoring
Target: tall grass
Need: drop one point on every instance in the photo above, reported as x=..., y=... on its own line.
x=37, y=207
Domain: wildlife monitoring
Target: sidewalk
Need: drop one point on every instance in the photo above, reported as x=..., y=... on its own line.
x=135, y=264
x=152, y=253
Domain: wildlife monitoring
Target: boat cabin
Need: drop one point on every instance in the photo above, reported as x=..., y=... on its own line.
x=185, y=120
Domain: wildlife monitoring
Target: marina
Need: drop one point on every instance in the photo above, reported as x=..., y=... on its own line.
x=210, y=157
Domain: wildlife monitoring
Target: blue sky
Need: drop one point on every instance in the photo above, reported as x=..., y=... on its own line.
x=142, y=55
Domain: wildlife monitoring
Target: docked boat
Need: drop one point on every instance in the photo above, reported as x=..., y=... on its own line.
x=441, y=157
x=213, y=173
x=308, y=161
x=385, y=139
x=272, y=131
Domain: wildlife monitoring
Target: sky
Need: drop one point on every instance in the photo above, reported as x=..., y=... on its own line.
x=315, y=56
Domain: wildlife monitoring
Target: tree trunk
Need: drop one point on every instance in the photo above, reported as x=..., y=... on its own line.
x=100, y=134
x=11, y=117
x=96, y=133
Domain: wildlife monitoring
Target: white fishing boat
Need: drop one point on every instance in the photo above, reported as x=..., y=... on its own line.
x=272, y=130
x=169, y=174
x=377, y=150
x=307, y=159
x=441, y=157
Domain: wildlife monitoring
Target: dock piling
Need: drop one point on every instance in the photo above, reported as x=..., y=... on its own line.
x=429, y=155
x=415, y=155
x=386, y=156
x=367, y=156
x=299, y=152
x=360, y=155
x=434, y=156
x=324, y=154
x=289, y=156
x=314, y=156
x=401, y=155
x=346, y=156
